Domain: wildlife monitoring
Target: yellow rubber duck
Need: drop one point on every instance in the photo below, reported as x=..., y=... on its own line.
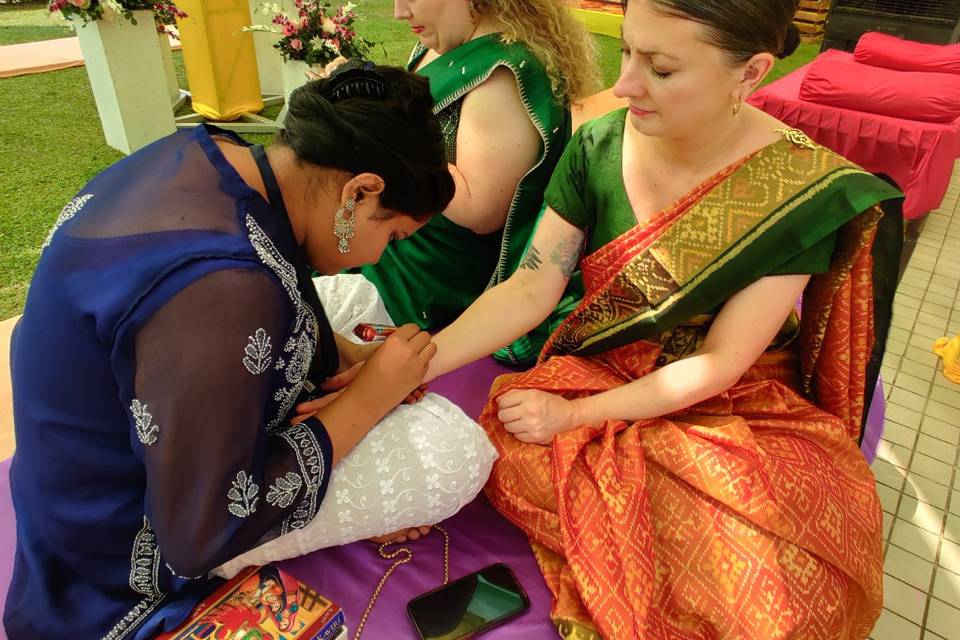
x=949, y=350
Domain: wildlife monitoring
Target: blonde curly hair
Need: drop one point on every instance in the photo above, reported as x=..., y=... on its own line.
x=551, y=32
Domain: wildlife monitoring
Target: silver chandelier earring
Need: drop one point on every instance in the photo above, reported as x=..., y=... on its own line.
x=344, y=225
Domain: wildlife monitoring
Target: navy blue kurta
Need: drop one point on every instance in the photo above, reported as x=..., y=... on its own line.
x=168, y=331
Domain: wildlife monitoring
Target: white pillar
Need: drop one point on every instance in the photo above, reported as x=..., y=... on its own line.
x=294, y=73
x=269, y=62
x=129, y=83
x=169, y=70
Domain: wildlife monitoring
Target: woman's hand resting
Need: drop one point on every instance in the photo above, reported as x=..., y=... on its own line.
x=535, y=416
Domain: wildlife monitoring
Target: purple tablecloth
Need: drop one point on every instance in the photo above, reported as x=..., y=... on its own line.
x=479, y=536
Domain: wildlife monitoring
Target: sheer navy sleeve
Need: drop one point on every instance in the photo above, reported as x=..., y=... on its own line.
x=209, y=363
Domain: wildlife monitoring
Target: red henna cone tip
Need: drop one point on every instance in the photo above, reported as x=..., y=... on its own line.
x=368, y=332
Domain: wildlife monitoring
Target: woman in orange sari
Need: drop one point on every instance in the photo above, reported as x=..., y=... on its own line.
x=683, y=456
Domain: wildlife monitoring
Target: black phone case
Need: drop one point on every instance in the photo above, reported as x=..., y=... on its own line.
x=489, y=625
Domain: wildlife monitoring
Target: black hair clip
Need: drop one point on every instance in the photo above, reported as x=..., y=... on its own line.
x=355, y=79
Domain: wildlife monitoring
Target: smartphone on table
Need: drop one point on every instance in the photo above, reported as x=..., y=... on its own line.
x=469, y=606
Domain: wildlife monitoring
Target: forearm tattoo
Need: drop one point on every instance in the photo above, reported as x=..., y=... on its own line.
x=566, y=255
x=532, y=260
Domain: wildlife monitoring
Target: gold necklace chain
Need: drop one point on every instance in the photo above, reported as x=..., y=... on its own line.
x=403, y=555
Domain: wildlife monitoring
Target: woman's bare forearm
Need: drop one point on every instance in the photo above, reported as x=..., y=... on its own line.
x=728, y=351
x=498, y=317
x=511, y=309
x=671, y=388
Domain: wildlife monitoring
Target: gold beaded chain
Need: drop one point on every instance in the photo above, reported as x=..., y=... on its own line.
x=405, y=556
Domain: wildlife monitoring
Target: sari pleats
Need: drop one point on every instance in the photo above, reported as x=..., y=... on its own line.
x=750, y=515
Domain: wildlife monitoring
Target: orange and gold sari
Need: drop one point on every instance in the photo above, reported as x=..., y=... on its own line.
x=750, y=515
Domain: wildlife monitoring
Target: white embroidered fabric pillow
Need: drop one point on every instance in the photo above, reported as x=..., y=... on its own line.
x=420, y=465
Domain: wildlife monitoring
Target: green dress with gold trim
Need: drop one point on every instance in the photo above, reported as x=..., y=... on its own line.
x=432, y=276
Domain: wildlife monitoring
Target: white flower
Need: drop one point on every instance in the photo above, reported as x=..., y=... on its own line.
x=433, y=501
x=433, y=482
x=386, y=486
x=428, y=460
x=114, y=6
x=383, y=465
x=342, y=496
x=377, y=446
x=390, y=506
x=347, y=8
x=332, y=47
x=328, y=26
x=270, y=8
x=344, y=516
x=264, y=28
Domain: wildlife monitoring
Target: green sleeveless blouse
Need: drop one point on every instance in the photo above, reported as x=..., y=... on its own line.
x=432, y=276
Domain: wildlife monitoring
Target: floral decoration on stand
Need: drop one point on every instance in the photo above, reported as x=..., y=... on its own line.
x=317, y=34
x=165, y=16
x=165, y=12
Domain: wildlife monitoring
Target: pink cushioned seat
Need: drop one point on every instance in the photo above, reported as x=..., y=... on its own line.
x=839, y=81
x=889, y=52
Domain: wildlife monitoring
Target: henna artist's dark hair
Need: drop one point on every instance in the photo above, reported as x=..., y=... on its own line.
x=371, y=119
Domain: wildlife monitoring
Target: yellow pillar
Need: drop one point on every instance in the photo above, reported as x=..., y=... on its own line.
x=219, y=58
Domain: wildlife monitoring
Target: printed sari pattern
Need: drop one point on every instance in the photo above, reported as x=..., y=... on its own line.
x=751, y=514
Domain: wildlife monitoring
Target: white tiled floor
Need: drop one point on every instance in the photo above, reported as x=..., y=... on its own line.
x=916, y=465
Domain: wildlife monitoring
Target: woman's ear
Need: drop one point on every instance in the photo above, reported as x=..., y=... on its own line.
x=363, y=185
x=754, y=71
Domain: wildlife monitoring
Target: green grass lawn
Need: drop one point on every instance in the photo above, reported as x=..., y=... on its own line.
x=30, y=22
x=51, y=143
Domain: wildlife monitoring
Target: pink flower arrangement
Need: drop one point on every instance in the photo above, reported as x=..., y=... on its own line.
x=165, y=12
x=317, y=34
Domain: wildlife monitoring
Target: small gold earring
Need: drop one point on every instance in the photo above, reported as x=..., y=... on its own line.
x=738, y=106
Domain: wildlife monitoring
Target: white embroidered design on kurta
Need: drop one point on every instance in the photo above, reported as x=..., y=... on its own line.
x=301, y=355
x=177, y=575
x=147, y=431
x=71, y=209
x=312, y=470
x=145, y=562
x=256, y=355
x=284, y=489
x=133, y=618
x=302, y=343
x=144, y=580
x=244, y=495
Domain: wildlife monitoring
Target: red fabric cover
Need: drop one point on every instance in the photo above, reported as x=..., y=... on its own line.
x=918, y=156
x=890, y=52
x=840, y=82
